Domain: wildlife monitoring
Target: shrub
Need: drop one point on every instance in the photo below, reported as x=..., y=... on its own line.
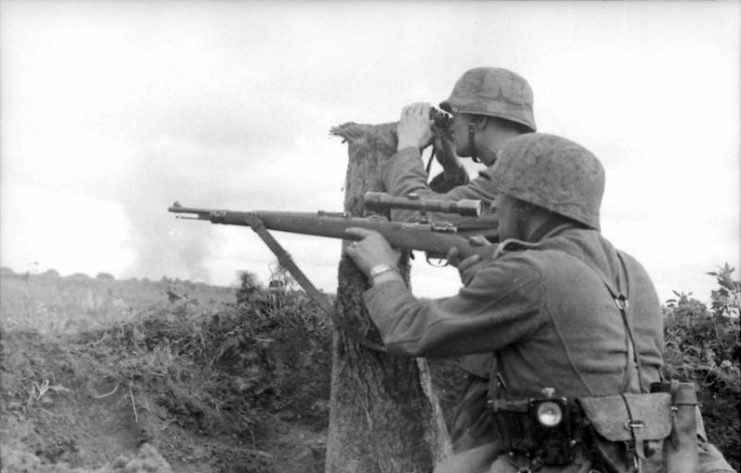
x=702, y=345
x=249, y=286
x=50, y=274
x=726, y=300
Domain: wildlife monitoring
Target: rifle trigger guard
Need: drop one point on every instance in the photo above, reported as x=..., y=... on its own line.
x=436, y=261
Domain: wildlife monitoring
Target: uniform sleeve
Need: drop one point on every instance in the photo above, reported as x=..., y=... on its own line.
x=404, y=174
x=443, y=183
x=500, y=306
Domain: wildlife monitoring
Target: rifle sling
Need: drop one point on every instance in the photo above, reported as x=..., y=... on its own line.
x=285, y=260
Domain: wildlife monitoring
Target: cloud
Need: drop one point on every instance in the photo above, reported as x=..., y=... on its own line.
x=62, y=231
x=131, y=105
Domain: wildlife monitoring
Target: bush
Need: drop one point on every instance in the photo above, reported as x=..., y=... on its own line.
x=50, y=274
x=249, y=287
x=702, y=345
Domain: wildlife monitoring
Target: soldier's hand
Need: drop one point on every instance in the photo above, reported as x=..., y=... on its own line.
x=468, y=267
x=415, y=126
x=371, y=250
x=445, y=155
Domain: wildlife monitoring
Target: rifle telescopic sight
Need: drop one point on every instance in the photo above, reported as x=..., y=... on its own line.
x=380, y=202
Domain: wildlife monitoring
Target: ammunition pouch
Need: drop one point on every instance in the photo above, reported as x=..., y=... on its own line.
x=621, y=433
x=626, y=432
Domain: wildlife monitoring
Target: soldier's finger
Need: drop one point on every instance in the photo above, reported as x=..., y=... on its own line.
x=350, y=249
x=452, y=256
x=422, y=108
x=360, y=232
x=479, y=240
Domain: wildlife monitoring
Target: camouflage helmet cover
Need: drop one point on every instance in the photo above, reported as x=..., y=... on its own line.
x=494, y=92
x=554, y=173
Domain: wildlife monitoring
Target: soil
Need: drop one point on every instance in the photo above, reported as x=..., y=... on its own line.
x=99, y=375
x=172, y=390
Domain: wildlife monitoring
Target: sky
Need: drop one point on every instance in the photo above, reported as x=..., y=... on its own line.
x=111, y=110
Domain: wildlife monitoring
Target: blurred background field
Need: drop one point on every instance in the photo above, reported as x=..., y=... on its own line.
x=51, y=304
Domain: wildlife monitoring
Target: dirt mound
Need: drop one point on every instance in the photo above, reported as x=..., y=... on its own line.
x=174, y=390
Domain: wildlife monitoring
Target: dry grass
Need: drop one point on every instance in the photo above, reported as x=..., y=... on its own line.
x=54, y=306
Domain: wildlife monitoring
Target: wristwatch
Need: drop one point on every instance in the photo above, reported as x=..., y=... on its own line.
x=379, y=269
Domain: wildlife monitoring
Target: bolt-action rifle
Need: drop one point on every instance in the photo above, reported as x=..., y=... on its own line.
x=434, y=238
x=431, y=237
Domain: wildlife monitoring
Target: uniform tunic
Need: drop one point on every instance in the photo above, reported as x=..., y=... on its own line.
x=545, y=312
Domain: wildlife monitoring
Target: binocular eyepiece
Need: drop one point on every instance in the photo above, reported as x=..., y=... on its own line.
x=380, y=201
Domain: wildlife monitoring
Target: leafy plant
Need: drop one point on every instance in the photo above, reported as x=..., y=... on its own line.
x=702, y=345
x=726, y=300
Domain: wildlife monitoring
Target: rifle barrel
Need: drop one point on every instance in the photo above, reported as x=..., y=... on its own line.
x=414, y=236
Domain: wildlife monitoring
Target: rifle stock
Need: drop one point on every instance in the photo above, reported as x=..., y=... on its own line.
x=432, y=238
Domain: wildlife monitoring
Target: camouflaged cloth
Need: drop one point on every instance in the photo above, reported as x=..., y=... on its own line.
x=493, y=92
x=551, y=172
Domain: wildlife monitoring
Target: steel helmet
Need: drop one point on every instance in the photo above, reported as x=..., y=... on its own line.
x=494, y=92
x=551, y=172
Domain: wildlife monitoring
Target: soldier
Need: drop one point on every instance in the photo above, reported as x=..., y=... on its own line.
x=567, y=316
x=490, y=106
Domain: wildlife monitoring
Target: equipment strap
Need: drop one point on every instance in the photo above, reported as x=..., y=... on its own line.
x=621, y=301
x=285, y=260
x=619, y=295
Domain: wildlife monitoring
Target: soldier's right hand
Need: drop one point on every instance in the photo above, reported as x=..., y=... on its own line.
x=468, y=267
x=415, y=127
x=445, y=155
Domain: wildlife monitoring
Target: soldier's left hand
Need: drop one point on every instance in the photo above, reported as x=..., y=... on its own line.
x=371, y=250
x=415, y=126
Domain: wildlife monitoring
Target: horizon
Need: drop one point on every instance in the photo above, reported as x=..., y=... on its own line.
x=263, y=284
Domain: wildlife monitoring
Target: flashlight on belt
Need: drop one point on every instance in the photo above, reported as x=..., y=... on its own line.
x=549, y=410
